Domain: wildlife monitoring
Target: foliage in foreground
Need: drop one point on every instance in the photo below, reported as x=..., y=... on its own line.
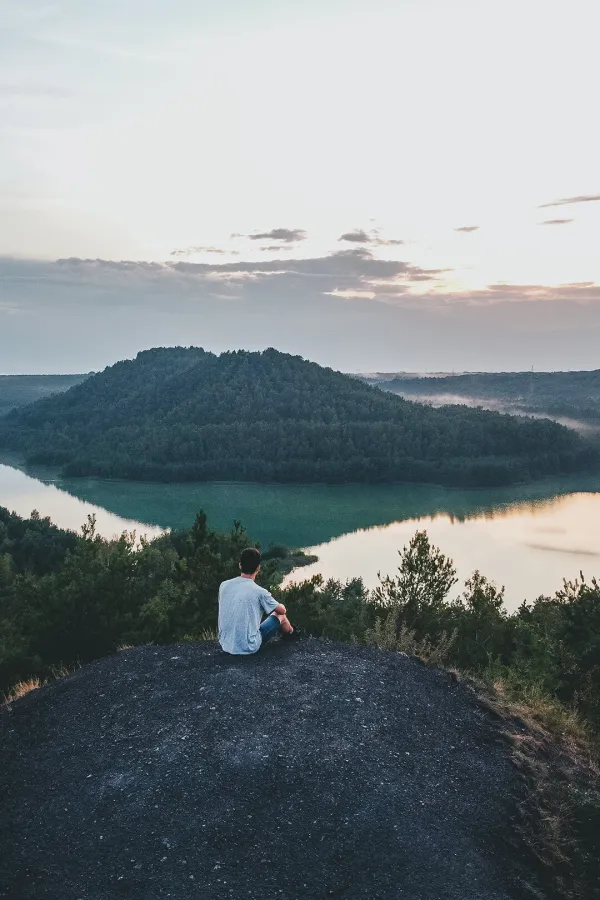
x=66, y=599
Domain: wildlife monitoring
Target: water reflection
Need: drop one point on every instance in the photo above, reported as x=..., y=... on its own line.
x=527, y=547
x=526, y=537
x=304, y=515
x=22, y=494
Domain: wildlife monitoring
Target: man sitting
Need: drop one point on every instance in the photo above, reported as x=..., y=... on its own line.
x=241, y=605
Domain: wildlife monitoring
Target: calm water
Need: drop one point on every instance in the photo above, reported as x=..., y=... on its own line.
x=527, y=538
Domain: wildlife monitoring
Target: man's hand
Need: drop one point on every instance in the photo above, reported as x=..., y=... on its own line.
x=280, y=610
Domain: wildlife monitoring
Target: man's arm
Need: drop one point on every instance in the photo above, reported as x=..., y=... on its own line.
x=270, y=604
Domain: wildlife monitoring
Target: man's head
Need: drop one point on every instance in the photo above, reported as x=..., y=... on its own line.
x=250, y=561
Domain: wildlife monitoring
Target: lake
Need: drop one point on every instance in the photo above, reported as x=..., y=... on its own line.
x=526, y=537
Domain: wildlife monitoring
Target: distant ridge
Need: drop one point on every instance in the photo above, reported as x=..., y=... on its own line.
x=566, y=395
x=19, y=390
x=183, y=414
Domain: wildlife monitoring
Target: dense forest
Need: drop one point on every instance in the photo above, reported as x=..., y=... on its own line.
x=183, y=414
x=573, y=395
x=20, y=390
x=67, y=598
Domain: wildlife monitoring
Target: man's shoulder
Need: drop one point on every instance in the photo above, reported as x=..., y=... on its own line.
x=245, y=585
x=229, y=583
x=242, y=584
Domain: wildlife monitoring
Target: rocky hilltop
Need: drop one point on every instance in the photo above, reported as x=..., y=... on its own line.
x=310, y=770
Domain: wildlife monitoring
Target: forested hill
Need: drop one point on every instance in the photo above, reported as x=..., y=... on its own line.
x=573, y=395
x=185, y=414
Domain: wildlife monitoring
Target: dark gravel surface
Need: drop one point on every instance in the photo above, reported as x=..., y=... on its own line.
x=311, y=770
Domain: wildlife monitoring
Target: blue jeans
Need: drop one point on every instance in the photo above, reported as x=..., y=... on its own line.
x=269, y=628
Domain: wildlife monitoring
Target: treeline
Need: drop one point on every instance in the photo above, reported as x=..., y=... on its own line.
x=570, y=394
x=66, y=599
x=186, y=415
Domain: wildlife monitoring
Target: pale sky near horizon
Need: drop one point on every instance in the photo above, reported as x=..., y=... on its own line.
x=403, y=185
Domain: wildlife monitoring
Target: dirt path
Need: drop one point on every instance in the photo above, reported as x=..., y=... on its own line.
x=312, y=770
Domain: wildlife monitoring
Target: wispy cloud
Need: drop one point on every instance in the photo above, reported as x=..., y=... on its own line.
x=467, y=229
x=556, y=221
x=288, y=235
x=354, y=264
x=361, y=304
x=353, y=274
x=190, y=251
x=583, y=198
x=345, y=271
x=360, y=236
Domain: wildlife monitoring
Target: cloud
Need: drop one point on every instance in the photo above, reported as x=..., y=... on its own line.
x=583, y=198
x=152, y=285
x=273, y=248
x=190, y=251
x=348, y=309
x=556, y=222
x=352, y=265
x=467, y=229
x=359, y=236
x=288, y=235
x=347, y=274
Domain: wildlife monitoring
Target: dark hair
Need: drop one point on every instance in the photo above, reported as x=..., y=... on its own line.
x=250, y=560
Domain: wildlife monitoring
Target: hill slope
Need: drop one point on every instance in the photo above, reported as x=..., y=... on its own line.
x=184, y=414
x=310, y=770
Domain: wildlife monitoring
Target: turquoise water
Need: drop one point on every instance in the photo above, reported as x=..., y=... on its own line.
x=526, y=537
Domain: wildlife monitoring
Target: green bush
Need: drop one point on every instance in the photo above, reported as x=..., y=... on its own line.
x=67, y=599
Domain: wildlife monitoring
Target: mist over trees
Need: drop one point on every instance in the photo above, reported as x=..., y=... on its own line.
x=561, y=394
x=20, y=390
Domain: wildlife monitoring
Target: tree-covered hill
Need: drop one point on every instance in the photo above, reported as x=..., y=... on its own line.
x=182, y=414
x=557, y=394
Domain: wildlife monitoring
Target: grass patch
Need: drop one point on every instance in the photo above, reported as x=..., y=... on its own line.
x=21, y=689
x=208, y=634
x=388, y=634
x=553, y=748
x=557, y=755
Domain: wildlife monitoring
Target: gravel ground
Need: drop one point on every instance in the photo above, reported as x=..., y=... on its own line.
x=311, y=770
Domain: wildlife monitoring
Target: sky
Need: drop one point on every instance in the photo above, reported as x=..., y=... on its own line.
x=408, y=185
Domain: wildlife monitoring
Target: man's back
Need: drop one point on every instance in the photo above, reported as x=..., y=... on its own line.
x=241, y=605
